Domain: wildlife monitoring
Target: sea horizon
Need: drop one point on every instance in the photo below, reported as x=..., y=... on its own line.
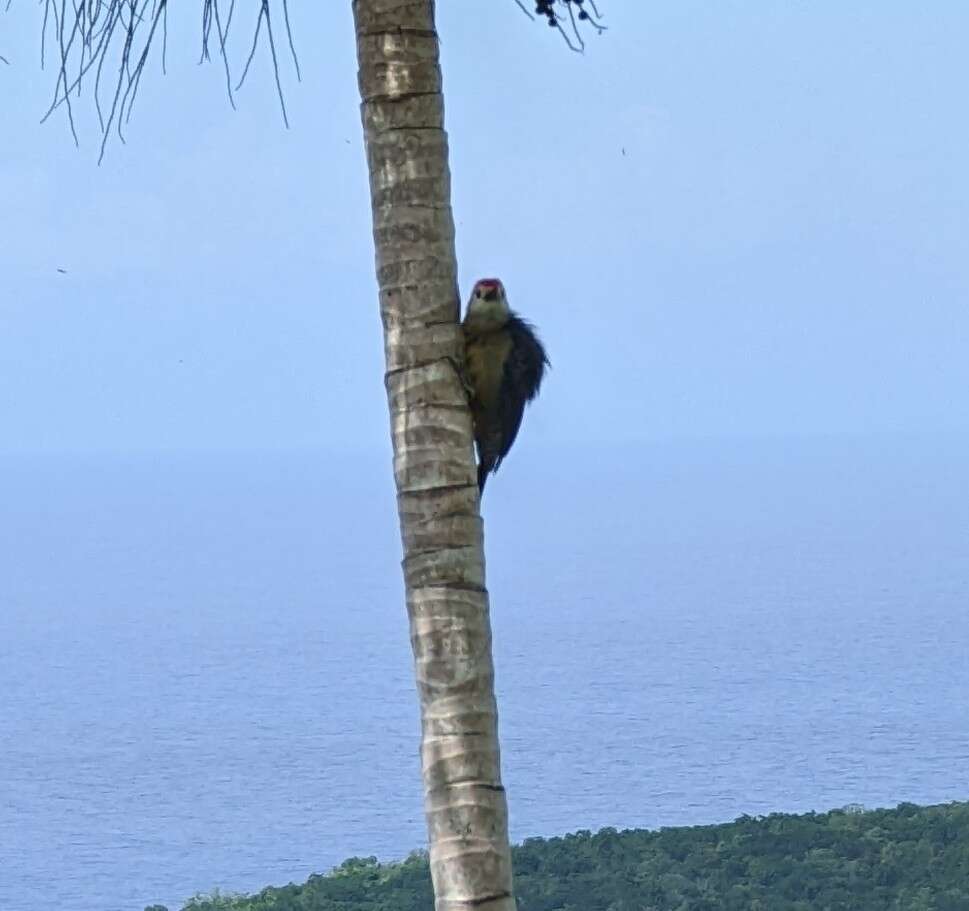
x=208, y=684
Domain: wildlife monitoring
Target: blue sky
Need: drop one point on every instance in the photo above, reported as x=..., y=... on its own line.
x=726, y=219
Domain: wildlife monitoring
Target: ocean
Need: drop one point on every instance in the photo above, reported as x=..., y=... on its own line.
x=205, y=672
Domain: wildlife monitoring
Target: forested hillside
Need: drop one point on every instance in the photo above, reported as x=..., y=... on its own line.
x=912, y=858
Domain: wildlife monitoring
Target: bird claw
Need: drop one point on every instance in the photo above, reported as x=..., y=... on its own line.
x=462, y=373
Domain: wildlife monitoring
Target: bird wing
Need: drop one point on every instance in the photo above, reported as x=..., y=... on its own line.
x=521, y=380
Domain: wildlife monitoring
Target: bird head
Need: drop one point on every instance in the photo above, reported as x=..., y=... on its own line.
x=488, y=305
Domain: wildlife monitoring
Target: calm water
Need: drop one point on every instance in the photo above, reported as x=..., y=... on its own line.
x=205, y=675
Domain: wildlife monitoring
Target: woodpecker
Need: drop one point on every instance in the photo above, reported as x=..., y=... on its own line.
x=505, y=363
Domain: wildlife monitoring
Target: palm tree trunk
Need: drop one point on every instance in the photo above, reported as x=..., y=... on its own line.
x=437, y=495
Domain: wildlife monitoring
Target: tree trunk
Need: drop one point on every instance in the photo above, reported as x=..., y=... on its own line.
x=437, y=494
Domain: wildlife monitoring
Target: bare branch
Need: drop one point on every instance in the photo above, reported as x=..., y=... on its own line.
x=575, y=29
x=164, y=41
x=119, y=35
x=43, y=37
x=577, y=13
x=524, y=9
x=222, y=35
x=289, y=38
x=264, y=15
x=272, y=47
x=255, y=44
x=65, y=51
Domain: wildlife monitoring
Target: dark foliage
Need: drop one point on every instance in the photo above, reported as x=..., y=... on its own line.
x=912, y=858
x=569, y=17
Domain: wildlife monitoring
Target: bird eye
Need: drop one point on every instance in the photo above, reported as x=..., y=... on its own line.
x=477, y=292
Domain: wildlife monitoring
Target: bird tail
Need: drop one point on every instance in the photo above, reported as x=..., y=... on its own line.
x=483, y=469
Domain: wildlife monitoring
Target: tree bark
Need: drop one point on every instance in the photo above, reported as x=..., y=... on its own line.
x=434, y=468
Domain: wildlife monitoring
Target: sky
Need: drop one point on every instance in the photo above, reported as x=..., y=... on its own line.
x=726, y=219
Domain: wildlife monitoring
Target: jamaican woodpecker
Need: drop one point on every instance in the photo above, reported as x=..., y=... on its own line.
x=505, y=364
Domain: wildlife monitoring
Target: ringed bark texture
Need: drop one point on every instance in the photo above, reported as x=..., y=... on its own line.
x=434, y=468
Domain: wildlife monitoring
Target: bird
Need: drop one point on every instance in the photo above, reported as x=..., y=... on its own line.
x=504, y=365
